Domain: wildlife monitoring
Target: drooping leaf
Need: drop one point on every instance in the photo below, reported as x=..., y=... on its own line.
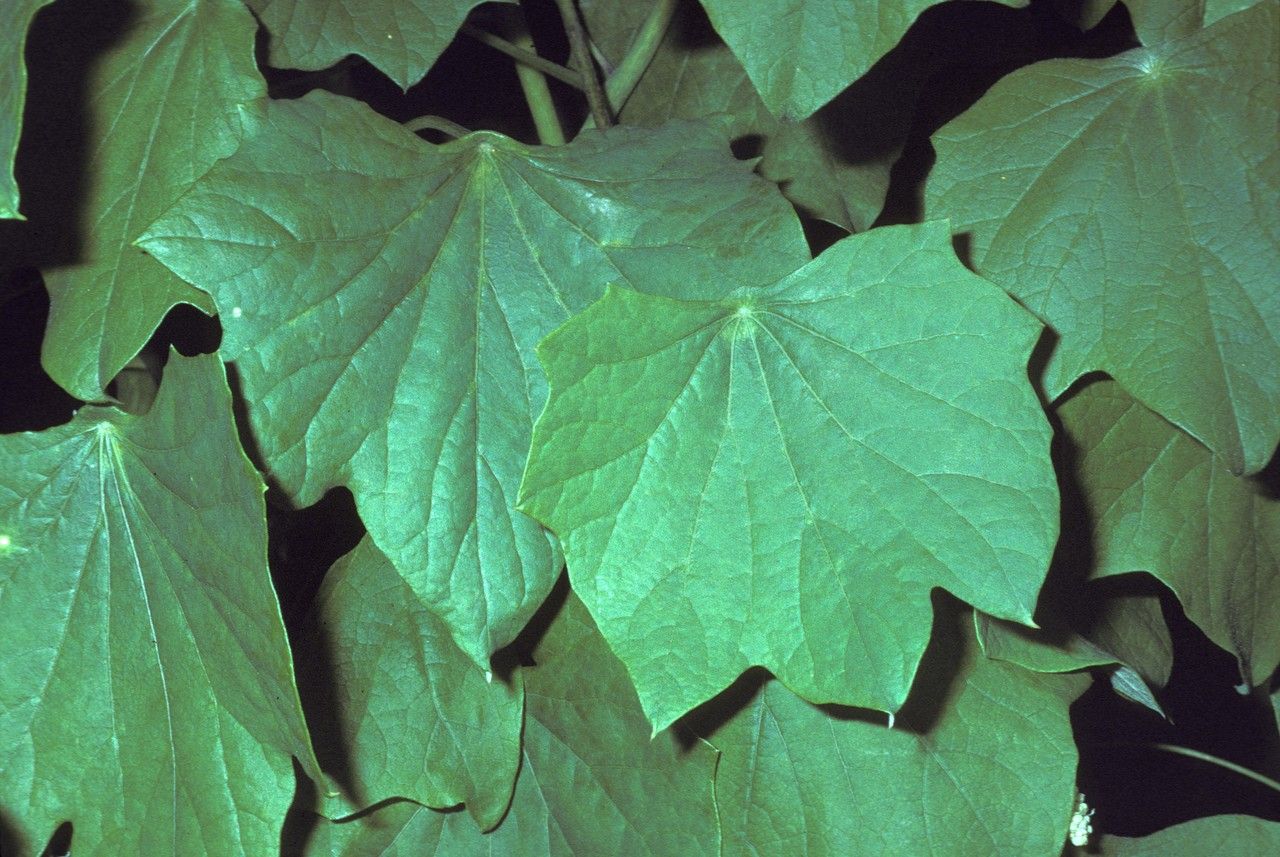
x=1164, y=504
x=592, y=780
x=403, y=38
x=780, y=478
x=1124, y=628
x=381, y=298
x=1129, y=202
x=800, y=54
x=1219, y=835
x=1124, y=631
x=146, y=689
x=980, y=762
x=15, y=17
x=165, y=106
x=397, y=709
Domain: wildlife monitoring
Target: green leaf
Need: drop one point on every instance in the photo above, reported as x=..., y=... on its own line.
x=146, y=689
x=1154, y=21
x=980, y=762
x=15, y=17
x=387, y=344
x=1219, y=835
x=743, y=481
x=800, y=54
x=1129, y=202
x=834, y=165
x=592, y=779
x=164, y=107
x=403, y=38
x=397, y=709
x=1162, y=503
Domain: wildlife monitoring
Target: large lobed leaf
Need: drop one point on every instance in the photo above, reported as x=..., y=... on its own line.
x=381, y=298
x=981, y=762
x=779, y=479
x=396, y=708
x=1164, y=504
x=1154, y=21
x=403, y=38
x=164, y=106
x=800, y=54
x=593, y=781
x=15, y=17
x=146, y=689
x=1130, y=202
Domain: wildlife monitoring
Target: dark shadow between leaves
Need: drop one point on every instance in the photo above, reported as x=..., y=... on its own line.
x=64, y=45
x=60, y=843
x=519, y=652
x=31, y=400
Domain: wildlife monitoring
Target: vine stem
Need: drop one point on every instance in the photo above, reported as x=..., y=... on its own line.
x=644, y=46
x=1203, y=757
x=581, y=55
x=437, y=123
x=536, y=93
x=523, y=56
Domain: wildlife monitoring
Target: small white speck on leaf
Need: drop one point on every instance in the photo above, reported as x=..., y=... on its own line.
x=236, y=312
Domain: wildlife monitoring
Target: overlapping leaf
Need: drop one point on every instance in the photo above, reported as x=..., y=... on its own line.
x=800, y=53
x=397, y=709
x=15, y=17
x=164, y=107
x=981, y=762
x=1220, y=835
x=592, y=781
x=382, y=297
x=1155, y=21
x=403, y=38
x=1130, y=202
x=1162, y=503
x=780, y=478
x=146, y=690
x=834, y=164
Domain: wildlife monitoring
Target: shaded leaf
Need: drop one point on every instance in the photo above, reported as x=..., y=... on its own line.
x=1129, y=202
x=592, y=780
x=980, y=762
x=403, y=38
x=800, y=54
x=398, y=710
x=146, y=689
x=1162, y=503
x=15, y=17
x=165, y=106
x=1155, y=21
x=834, y=165
x=745, y=481
x=389, y=347
x=1219, y=835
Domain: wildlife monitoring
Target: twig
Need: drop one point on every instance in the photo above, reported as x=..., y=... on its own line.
x=581, y=55
x=644, y=46
x=523, y=56
x=437, y=123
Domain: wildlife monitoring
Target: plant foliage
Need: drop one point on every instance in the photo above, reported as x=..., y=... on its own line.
x=731, y=478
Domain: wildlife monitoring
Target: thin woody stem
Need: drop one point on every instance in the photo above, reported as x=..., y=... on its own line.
x=581, y=55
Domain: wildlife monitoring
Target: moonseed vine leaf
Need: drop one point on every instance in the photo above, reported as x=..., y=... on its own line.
x=1155, y=21
x=1164, y=504
x=780, y=478
x=1130, y=202
x=396, y=708
x=165, y=105
x=800, y=54
x=403, y=38
x=982, y=761
x=146, y=689
x=1220, y=835
x=592, y=781
x=15, y=17
x=389, y=347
